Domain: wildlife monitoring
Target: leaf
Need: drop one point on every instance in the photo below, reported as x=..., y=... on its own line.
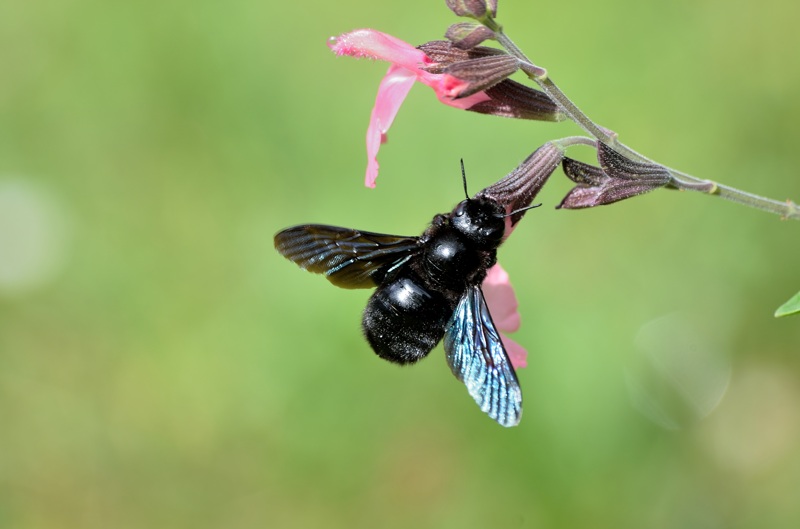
x=790, y=307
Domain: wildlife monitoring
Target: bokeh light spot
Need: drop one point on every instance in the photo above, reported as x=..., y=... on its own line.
x=680, y=373
x=33, y=237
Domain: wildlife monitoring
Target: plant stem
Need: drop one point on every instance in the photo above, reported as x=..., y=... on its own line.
x=575, y=140
x=680, y=180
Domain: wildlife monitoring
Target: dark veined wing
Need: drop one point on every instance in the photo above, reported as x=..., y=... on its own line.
x=477, y=358
x=348, y=258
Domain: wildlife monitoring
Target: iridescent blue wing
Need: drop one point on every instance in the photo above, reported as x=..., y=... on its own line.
x=477, y=358
x=347, y=258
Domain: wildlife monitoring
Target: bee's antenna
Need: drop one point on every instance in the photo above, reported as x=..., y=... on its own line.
x=520, y=210
x=464, y=178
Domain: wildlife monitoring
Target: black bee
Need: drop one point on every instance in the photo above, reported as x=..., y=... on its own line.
x=429, y=288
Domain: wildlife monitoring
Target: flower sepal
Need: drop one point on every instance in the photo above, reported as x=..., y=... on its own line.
x=482, y=72
x=516, y=191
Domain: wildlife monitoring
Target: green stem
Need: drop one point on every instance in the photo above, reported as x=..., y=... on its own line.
x=680, y=180
x=575, y=140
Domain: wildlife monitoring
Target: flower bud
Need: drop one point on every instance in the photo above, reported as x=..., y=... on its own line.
x=467, y=35
x=470, y=8
x=618, y=178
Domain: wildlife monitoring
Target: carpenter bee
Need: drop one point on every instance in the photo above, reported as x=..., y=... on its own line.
x=428, y=289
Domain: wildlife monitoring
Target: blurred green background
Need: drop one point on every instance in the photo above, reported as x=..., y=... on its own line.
x=162, y=366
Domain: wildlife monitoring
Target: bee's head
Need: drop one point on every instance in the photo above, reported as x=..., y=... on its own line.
x=480, y=220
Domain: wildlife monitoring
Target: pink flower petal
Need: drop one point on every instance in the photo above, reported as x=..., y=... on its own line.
x=501, y=300
x=376, y=45
x=391, y=93
x=516, y=353
x=502, y=303
x=448, y=88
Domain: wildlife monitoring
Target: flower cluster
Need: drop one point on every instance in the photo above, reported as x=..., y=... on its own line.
x=466, y=75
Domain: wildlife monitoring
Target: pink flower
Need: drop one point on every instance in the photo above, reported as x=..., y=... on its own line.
x=408, y=66
x=502, y=303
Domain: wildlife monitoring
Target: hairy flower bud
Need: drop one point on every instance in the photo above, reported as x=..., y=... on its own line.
x=616, y=179
x=469, y=8
x=467, y=35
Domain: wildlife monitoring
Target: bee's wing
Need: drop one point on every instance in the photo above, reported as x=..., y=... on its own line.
x=477, y=358
x=348, y=258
